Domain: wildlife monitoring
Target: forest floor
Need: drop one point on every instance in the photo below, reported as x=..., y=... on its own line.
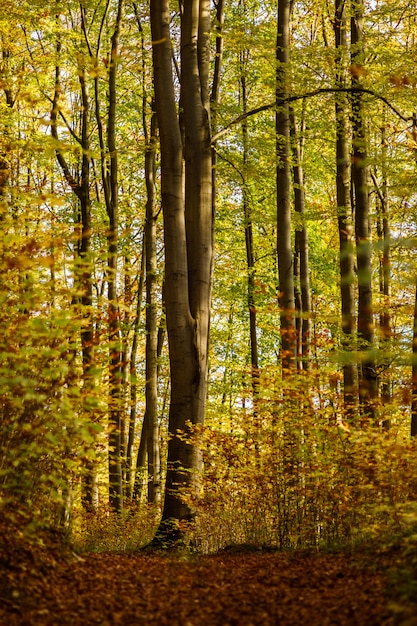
x=48, y=586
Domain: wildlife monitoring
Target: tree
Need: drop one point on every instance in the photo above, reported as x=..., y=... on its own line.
x=344, y=213
x=283, y=181
x=186, y=186
x=80, y=185
x=301, y=260
x=368, y=388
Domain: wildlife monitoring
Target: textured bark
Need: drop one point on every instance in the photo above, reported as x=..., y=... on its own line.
x=188, y=233
x=344, y=215
x=283, y=181
x=368, y=387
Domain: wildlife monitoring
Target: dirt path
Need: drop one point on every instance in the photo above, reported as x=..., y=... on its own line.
x=226, y=589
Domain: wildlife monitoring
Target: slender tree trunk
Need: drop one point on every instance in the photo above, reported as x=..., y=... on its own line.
x=83, y=272
x=250, y=257
x=368, y=388
x=414, y=373
x=130, y=474
x=4, y=157
x=413, y=431
x=151, y=384
x=283, y=180
x=116, y=389
x=188, y=234
x=109, y=177
x=384, y=237
x=344, y=216
x=302, y=273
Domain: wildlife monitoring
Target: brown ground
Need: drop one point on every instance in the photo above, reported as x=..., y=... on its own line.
x=44, y=588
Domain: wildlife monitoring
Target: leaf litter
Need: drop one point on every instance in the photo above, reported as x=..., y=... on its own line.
x=47, y=586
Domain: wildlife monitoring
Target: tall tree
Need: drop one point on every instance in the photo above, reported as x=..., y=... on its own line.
x=110, y=185
x=186, y=187
x=80, y=185
x=344, y=213
x=151, y=384
x=368, y=388
x=247, y=214
x=301, y=258
x=283, y=182
x=413, y=430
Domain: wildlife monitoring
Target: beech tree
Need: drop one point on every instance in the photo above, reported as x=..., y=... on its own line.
x=283, y=180
x=344, y=210
x=186, y=192
x=368, y=388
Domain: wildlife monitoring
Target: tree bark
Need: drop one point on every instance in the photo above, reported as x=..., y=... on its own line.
x=250, y=257
x=413, y=430
x=301, y=264
x=83, y=270
x=188, y=234
x=368, y=387
x=151, y=368
x=283, y=183
x=384, y=237
x=116, y=395
x=344, y=217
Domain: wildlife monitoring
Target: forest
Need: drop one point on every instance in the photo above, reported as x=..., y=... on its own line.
x=208, y=321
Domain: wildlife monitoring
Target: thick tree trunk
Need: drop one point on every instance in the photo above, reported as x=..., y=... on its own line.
x=188, y=234
x=344, y=216
x=368, y=388
x=283, y=181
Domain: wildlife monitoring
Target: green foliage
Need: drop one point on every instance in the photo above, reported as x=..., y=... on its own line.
x=44, y=432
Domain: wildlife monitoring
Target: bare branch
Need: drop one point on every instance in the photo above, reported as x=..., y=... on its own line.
x=309, y=94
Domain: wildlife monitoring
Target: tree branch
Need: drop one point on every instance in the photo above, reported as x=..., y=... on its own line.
x=309, y=94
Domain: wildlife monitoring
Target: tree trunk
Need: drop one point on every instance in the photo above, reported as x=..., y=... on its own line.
x=302, y=274
x=4, y=157
x=188, y=235
x=83, y=270
x=130, y=474
x=250, y=258
x=414, y=373
x=344, y=217
x=283, y=181
x=384, y=236
x=110, y=181
x=151, y=384
x=368, y=388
